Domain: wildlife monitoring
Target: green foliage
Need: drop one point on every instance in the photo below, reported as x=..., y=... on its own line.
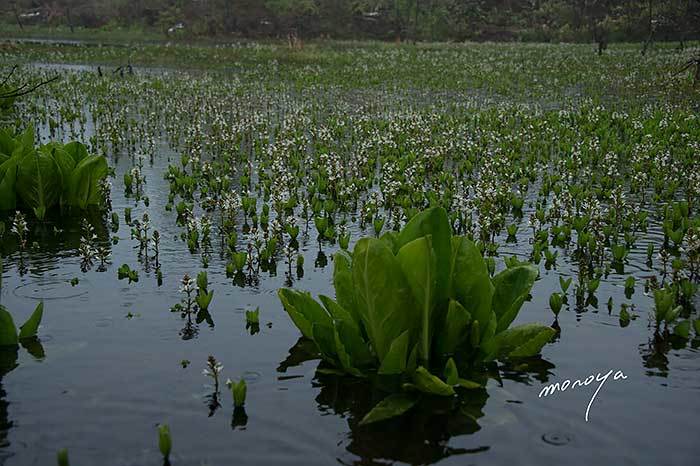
x=62, y=457
x=406, y=307
x=239, y=390
x=165, y=442
x=28, y=330
x=39, y=178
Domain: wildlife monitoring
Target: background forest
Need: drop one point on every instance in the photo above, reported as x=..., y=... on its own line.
x=601, y=21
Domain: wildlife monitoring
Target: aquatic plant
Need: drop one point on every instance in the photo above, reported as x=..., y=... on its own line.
x=27, y=331
x=415, y=304
x=165, y=441
x=49, y=175
x=125, y=271
x=239, y=392
x=556, y=300
x=213, y=370
x=252, y=321
x=62, y=457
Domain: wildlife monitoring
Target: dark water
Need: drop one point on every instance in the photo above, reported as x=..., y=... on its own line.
x=111, y=369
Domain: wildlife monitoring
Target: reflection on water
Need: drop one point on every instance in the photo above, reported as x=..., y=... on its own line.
x=422, y=435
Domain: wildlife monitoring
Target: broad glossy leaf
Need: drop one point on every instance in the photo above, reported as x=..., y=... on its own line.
x=391, y=406
x=419, y=266
x=470, y=281
x=8, y=331
x=519, y=342
x=38, y=182
x=511, y=289
x=324, y=337
x=390, y=238
x=336, y=311
x=65, y=164
x=426, y=382
x=382, y=294
x=30, y=327
x=433, y=222
x=77, y=151
x=8, y=180
x=83, y=183
x=395, y=360
x=455, y=331
x=342, y=281
x=354, y=345
x=8, y=143
x=304, y=311
x=27, y=138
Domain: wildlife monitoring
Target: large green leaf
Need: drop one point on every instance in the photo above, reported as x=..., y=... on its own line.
x=8, y=331
x=391, y=406
x=348, y=336
x=66, y=165
x=426, y=382
x=433, y=222
x=8, y=143
x=342, y=281
x=27, y=138
x=324, y=337
x=511, y=289
x=470, y=281
x=77, y=151
x=382, y=294
x=456, y=328
x=38, y=182
x=8, y=180
x=518, y=342
x=395, y=360
x=84, y=181
x=30, y=327
x=336, y=311
x=304, y=311
x=419, y=266
x=354, y=345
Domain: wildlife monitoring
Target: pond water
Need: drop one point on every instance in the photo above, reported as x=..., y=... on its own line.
x=111, y=367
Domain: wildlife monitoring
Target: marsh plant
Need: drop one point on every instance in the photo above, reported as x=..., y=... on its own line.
x=419, y=307
x=39, y=178
x=195, y=303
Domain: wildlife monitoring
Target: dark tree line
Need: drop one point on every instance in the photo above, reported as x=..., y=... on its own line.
x=601, y=21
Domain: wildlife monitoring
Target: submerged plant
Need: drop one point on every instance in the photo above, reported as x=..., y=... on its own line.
x=417, y=305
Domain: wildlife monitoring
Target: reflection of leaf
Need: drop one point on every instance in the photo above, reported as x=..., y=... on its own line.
x=8, y=359
x=304, y=350
x=33, y=347
x=391, y=406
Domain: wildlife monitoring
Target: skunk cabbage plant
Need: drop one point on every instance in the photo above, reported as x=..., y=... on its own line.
x=417, y=305
x=43, y=177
